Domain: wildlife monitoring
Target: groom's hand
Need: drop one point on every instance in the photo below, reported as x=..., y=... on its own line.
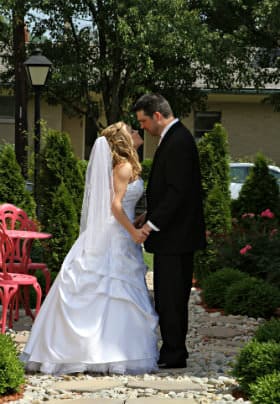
x=146, y=229
x=139, y=236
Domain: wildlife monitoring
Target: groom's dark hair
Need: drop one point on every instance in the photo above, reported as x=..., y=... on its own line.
x=151, y=103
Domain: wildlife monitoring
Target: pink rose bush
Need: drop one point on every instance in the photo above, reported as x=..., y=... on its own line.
x=247, y=247
x=252, y=246
x=267, y=213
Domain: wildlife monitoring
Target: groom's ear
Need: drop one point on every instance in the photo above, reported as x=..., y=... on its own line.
x=157, y=116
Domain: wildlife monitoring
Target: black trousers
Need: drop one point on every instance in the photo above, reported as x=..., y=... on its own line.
x=172, y=286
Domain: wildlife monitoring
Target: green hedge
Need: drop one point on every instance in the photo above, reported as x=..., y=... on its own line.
x=266, y=390
x=12, y=185
x=11, y=369
x=215, y=286
x=269, y=331
x=255, y=360
x=252, y=297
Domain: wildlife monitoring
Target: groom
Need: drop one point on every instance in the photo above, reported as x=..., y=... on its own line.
x=174, y=222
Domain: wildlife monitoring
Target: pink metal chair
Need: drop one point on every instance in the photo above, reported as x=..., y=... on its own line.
x=8, y=290
x=11, y=282
x=14, y=218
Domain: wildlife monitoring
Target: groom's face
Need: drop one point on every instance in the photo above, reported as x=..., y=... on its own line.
x=150, y=124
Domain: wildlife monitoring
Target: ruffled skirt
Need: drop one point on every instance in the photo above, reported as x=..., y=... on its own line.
x=98, y=315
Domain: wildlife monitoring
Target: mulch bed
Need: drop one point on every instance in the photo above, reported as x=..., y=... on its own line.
x=212, y=309
x=204, y=305
x=238, y=393
x=12, y=397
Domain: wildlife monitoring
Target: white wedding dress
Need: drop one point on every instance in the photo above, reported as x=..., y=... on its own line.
x=98, y=315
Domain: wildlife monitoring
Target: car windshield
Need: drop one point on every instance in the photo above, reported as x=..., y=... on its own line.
x=239, y=174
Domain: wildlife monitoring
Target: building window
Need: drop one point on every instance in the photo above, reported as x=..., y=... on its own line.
x=204, y=121
x=7, y=107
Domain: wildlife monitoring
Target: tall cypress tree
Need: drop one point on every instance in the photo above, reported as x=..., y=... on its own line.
x=12, y=184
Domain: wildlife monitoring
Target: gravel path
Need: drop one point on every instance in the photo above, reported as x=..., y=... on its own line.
x=213, y=342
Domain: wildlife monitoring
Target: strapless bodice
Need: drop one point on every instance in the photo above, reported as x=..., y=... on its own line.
x=133, y=194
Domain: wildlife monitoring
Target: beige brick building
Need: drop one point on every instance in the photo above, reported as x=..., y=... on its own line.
x=252, y=125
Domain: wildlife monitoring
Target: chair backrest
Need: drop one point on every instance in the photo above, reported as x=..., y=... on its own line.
x=13, y=218
x=7, y=252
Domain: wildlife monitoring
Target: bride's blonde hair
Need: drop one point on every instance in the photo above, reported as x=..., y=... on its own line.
x=121, y=144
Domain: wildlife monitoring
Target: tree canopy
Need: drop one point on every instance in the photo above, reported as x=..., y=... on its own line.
x=123, y=48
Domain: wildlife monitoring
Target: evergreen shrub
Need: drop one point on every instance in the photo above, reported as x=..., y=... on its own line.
x=63, y=225
x=216, y=166
x=146, y=169
x=58, y=164
x=61, y=189
x=82, y=166
x=32, y=294
x=214, y=163
x=214, y=287
x=259, y=192
x=215, y=204
x=207, y=161
x=11, y=369
x=252, y=297
x=269, y=331
x=12, y=185
x=205, y=262
x=256, y=359
x=266, y=390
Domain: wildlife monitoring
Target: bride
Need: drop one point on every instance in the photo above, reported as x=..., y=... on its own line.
x=98, y=316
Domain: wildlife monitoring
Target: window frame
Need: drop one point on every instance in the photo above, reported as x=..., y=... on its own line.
x=217, y=118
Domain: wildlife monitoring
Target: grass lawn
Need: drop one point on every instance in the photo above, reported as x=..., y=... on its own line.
x=148, y=258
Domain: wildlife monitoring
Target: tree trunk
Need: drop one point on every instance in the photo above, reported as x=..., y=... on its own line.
x=111, y=98
x=21, y=141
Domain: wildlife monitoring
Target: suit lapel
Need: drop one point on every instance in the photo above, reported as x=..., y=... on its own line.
x=152, y=168
x=168, y=134
x=161, y=146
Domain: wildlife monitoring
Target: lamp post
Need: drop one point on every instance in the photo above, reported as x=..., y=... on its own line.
x=37, y=67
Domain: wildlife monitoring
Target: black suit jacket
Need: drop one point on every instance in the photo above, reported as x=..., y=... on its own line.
x=174, y=196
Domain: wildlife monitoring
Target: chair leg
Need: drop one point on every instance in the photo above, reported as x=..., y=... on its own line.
x=13, y=304
x=7, y=295
x=26, y=302
x=16, y=305
x=48, y=280
x=4, y=311
x=38, y=290
x=4, y=318
x=46, y=274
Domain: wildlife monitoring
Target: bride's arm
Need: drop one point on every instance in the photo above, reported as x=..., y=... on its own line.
x=121, y=176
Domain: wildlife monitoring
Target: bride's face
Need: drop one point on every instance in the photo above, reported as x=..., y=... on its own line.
x=136, y=138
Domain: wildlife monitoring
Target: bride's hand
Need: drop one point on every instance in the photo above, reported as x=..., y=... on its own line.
x=138, y=236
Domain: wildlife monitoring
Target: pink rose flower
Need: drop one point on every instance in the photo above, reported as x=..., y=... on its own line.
x=245, y=249
x=267, y=213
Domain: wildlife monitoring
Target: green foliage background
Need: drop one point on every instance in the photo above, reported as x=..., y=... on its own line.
x=12, y=185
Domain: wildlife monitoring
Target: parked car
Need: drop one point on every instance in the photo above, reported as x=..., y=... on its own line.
x=239, y=172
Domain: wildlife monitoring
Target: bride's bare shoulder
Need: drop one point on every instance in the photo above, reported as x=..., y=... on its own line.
x=123, y=170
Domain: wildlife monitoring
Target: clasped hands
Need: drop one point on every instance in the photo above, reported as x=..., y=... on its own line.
x=140, y=235
x=142, y=229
